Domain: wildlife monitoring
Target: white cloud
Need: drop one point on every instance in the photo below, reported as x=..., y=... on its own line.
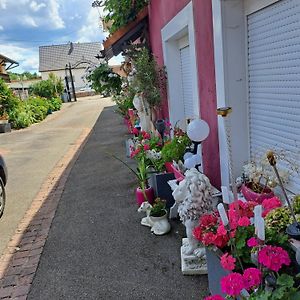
x=3, y=4
x=116, y=60
x=35, y=6
x=55, y=18
x=29, y=21
x=27, y=58
x=91, y=30
x=1, y=28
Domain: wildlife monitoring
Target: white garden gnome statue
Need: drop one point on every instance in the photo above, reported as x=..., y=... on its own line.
x=193, y=196
x=143, y=112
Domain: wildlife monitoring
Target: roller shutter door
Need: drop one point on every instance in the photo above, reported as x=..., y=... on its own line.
x=274, y=81
x=186, y=78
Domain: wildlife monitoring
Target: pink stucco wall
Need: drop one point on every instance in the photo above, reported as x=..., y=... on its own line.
x=160, y=13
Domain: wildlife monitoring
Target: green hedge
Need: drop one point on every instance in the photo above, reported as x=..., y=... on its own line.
x=24, y=113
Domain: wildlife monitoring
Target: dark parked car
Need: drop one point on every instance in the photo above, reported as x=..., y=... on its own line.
x=3, y=180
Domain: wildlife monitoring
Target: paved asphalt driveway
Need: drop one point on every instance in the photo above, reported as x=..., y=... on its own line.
x=32, y=153
x=96, y=247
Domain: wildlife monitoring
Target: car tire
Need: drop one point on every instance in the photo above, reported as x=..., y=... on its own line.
x=2, y=197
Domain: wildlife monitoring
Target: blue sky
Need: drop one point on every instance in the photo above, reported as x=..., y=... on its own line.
x=27, y=24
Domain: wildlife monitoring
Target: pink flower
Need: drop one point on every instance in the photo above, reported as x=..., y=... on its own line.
x=146, y=135
x=252, y=242
x=220, y=240
x=208, y=220
x=135, y=131
x=232, y=284
x=208, y=238
x=273, y=257
x=135, y=152
x=270, y=204
x=197, y=232
x=252, y=278
x=221, y=230
x=244, y=222
x=228, y=262
x=146, y=147
x=215, y=297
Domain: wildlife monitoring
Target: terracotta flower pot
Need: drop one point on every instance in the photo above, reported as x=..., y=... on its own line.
x=250, y=195
x=140, y=197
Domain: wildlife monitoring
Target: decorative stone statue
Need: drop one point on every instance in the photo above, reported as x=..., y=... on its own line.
x=143, y=112
x=193, y=196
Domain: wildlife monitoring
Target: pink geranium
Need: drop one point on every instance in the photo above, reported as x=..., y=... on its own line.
x=197, y=232
x=273, y=257
x=208, y=220
x=252, y=278
x=244, y=221
x=208, y=238
x=135, y=131
x=252, y=242
x=270, y=204
x=232, y=284
x=146, y=135
x=215, y=297
x=228, y=262
x=146, y=147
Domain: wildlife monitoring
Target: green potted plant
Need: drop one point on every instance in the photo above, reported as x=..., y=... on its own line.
x=159, y=218
x=143, y=192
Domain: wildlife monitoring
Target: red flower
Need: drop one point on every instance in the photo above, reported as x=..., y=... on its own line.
x=233, y=284
x=197, y=232
x=273, y=257
x=146, y=135
x=135, y=131
x=252, y=277
x=221, y=240
x=228, y=262
x=146, y=147
x=208, y=220
x=135, y=152
x=208, y=238
x=244, y=222
x=215, y=297
x=270, y=204
x=252, y=242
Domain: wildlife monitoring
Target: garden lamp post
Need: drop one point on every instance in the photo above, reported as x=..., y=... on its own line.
x=197, y=131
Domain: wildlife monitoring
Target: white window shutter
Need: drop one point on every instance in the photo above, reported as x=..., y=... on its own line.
x=274, y=82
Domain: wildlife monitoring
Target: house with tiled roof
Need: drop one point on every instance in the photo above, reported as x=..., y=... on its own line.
x=57, y=58
x=5, y=65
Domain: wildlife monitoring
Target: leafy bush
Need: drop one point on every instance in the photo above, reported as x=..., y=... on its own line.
x=21, y=116
x=39, y=108
x=120, y=12
x=124, y=101
x=105, y=81
x=50, y=88
x=175, y=149
x=150, y=79
x=8, y=101
x=54, y=103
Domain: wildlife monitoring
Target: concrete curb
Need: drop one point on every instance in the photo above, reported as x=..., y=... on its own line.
x=21, y=257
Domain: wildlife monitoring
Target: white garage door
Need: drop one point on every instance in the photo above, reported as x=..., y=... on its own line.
x=186, y=78
x=274, y=81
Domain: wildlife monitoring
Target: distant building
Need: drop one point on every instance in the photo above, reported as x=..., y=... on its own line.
x=21, y=87
x=55, y=58
x=5, y=65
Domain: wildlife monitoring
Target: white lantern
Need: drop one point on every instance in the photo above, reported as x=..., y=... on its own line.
x=198, y=130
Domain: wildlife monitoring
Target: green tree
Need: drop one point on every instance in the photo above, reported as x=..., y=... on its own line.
x=120, y=12
x=105, y=81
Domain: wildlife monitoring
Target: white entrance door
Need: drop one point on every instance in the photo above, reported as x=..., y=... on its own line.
x=274, y=81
